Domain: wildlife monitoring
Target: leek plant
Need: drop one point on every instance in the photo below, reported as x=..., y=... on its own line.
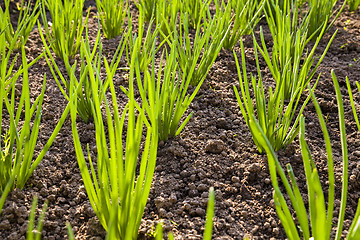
x=319, y=15
x=7, y=74
x=18, y=142
x=278, y=120
x=64, y=33
x=352, y=101
x=85, y=98
x=9, y=41
x=317, y=223
x=149, y=7
x=114, y=181
x=290, y=63
x=164, y=97
x=353, y=5
x=196, y=61
x=145, y=48
x=240, y=16
x=112, y=15
x=196, y=11
x=167, y=17
x=26, y=21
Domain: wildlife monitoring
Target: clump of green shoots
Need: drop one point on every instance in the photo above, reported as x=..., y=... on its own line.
x=164, y=96
x=64, y=33
x=167, y=17
x=82, y=82
x=353, y=5
x=275, y=117
x=112, y=15
x=196, y=11
x=145, y=47
x=317, y=223
x=149, y=7
x=196, y=58
x=115, y=183
x=352, y=100
x=320, y=13
x=290, y=64
x=19, y=141
x=26, y=21
x=240, y=16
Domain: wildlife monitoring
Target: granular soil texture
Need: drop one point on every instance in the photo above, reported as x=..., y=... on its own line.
x=215, y=149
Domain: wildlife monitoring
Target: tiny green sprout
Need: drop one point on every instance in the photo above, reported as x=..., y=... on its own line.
x=174, y=223
x=344, y=45
x=151, y=232
x=327, y=118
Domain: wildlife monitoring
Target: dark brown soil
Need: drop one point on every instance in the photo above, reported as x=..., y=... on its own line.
x=214, y=150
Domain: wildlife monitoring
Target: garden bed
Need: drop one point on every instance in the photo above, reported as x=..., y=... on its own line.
x=215, y=149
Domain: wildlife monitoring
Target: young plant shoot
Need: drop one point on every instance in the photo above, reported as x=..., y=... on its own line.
x=112, y=15
x=196, y=11
x=116, y=180
x=273, y=114
x=82, y=82
x=32, y=233
x=18, y=145
x=241, y=16
x=196, y=58
x=353, y=5
x=64, y=33
x=319, y=15
x=290, y=63
x=164, y=97
x=26, y=21
x=352, y=100
x=145, y=47
x=318, y=222
x=149, y=7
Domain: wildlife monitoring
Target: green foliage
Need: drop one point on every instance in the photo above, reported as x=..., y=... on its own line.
x=352, y=100
x=196, y=11
x=82, y=82
x=149, y=8
x=290, y=64
x=353, y=5
x=146, y=42
x=167, y=17
x=317, y=223
x=164, y=97
x=319, y=15
x=196, y=57
x=16, y=164
x=276, y=118
x=112, y=15
x=241, y=16
x=26, y=21
x=66, y=27
x=114, y=184
x=35, y=234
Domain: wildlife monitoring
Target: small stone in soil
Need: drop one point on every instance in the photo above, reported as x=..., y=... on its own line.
x=215, y=146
